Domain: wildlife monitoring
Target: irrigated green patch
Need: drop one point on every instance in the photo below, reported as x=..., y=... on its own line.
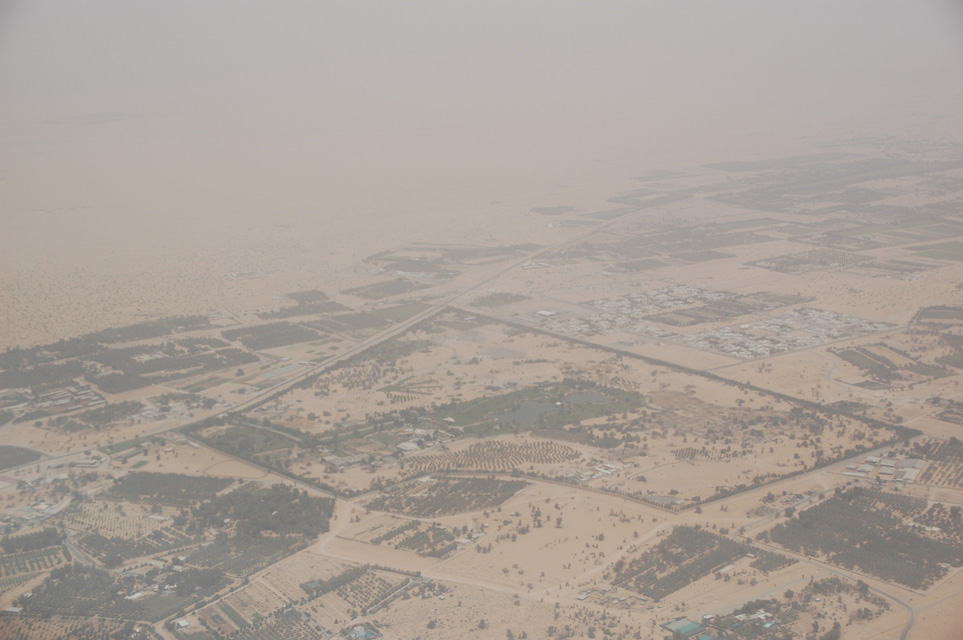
x=498, y=299
x=167, y=488
x=401, y=312
x=16, y=456
x=547, y=406
x=247, y=441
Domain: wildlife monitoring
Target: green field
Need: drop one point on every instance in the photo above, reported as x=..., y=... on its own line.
x=235, y=617
x=941, y=251
x=16, y=456
x=401, y=312
x=547, y=406
x=497, y=300
x=928, y=370
x=250, y=440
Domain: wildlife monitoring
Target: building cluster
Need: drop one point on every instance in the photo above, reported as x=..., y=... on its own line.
x=892, y=469
x=790, y=331
x=20, y=402
x=34, y=513
x=683, y=629
x=624, y=313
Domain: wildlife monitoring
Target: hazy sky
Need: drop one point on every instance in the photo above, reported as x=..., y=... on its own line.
x=127, y=124
x=213, y=96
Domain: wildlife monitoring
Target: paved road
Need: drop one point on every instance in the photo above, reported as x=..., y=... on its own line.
x=75, y=553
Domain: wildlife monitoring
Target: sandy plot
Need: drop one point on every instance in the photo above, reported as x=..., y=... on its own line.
x=372, y=526
x=591, y=532
x=193, y=275
x=32, y=437
x=713, y=596
x=660, y=350
x=363, y=553
x=461, y=612
x=256, y=599
x=288, y=575
x=941, y=615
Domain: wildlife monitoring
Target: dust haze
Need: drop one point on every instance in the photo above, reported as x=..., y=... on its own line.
x=497, y=306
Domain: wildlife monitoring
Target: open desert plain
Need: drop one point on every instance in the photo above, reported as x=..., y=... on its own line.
x=323, y=331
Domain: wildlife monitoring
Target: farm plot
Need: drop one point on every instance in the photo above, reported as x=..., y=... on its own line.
x=119, y=519
x=354, y=598
x=814, y=260
x=876, y=366
x=59, y=627
x=952, y=412
x=76, y=590
x=939, y=316
x=265, y=524
x=318, y=587
x=355, y=325
x=428, y=498
x=114, y=550
x=247, y=441
x=219, y=620
x=306, y=303
x=139, y=366
x=940, y=251
x=892, y=268
x=430, y=540
x=253, y=601
x=241, y=555
x=874, y=532
x=686, y=555
x=385, y=289
x=15, y=456
x=379, y=528
x=33, y=561
x=290, y=575
x=498, y=299
x=945, y=468
x=546, y=405
x=411, y=388
x=169, y=489
x=20, y=578
x=337, y=601
x=272, y=335
x=99, y=417
x=289, y=624
x=424, y=538
x=885, y=363
x=494, y=455
x=368, y=590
